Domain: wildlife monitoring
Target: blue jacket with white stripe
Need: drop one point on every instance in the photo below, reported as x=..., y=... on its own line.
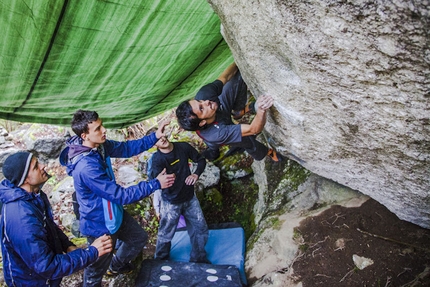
x=33, y=247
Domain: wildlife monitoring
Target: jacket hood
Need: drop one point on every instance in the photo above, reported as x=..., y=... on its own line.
x=9, y=192
x=69, y=155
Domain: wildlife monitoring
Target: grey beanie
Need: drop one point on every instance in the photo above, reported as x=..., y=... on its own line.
x=16, y=166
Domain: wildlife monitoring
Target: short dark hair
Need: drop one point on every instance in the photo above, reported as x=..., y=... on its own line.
x=187, y=119
x=81, y=119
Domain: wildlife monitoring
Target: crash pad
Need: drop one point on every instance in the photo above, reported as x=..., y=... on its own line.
x=170, y=273
x=225, y=246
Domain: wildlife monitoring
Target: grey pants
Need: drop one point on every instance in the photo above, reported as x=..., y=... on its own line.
x=196, y=227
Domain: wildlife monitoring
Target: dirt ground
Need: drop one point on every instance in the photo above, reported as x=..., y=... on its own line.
x=400, y=251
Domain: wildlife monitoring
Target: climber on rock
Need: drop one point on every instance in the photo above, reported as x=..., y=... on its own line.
x=210, y=112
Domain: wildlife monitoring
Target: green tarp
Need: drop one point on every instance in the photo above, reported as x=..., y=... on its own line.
x=127, y=59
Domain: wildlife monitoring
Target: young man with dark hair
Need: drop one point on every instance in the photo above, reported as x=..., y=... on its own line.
x=88, y=159
x=180, y=199
x=35, y=250
x=209, y=114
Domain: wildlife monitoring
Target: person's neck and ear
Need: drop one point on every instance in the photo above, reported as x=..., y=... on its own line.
x=28, y=185
x=207, y=121
x=202, y=123
x=85, y=140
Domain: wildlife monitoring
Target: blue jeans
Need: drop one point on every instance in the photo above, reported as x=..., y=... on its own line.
x=196, y=227
x=133, y=238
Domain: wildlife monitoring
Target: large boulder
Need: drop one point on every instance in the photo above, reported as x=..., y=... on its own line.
x=351, y=86
x=45, y=141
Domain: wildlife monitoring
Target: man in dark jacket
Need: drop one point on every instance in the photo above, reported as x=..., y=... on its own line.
x=35, y=251
x=180, y=198
x=100, y=198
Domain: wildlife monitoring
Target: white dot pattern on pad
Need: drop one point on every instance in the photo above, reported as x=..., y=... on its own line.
x=212, y=278
x=165, y=278
x=166, y=268
x=211, y=271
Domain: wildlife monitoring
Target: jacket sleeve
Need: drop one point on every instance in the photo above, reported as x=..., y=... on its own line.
x=194, y=155
x=129, y=148
x=29, y=239
x=93, y=176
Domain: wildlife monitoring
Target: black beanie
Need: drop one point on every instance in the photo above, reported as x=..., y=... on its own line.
x=16, y=166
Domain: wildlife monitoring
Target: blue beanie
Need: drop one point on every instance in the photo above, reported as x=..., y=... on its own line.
x=16, y=166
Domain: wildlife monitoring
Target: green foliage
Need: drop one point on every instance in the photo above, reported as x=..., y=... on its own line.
x=53, y=180
x=233, y=202
x=79, y=241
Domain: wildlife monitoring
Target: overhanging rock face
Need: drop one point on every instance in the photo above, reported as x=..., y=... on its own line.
x=351, y=83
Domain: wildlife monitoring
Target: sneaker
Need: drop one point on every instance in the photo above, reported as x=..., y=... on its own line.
x=248, y=108
x=126, y=269
x=273, y=155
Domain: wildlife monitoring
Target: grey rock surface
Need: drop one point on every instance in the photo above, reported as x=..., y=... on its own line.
x=128, y=175
x=44, y=141
x=351, y=86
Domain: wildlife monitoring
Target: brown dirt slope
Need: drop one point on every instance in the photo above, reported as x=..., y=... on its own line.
x=400, y=250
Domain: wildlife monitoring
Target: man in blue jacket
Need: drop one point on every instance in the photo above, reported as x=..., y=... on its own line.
x=35, y=251
x=100, y=198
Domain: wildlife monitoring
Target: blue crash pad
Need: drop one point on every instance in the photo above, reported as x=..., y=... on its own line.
x=225, y=246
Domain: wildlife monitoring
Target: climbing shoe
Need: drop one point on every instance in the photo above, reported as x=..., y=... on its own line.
x=248, y=108
x=274, y=155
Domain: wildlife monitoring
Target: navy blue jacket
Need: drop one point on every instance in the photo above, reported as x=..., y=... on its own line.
x=33, y=246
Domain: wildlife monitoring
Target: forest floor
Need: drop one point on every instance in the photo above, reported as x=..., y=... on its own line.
x=399, y=250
